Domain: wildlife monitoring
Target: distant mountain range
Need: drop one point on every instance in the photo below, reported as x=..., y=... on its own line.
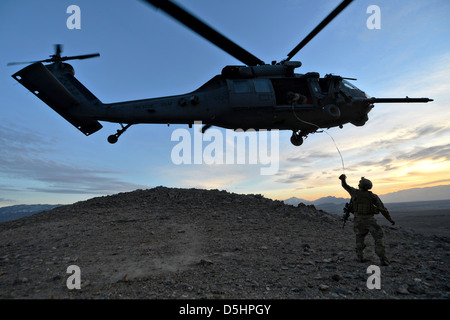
x=328, y=204
x=335, y=205
x=418, y=194
x=23, y=210
x=330, y=199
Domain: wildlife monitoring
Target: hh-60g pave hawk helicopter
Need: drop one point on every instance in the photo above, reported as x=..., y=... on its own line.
x=254, y=96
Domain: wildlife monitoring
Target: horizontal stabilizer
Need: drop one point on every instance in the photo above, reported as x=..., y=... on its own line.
x=42, y=83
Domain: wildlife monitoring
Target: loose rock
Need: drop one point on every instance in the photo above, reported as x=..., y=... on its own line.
x=168, y=243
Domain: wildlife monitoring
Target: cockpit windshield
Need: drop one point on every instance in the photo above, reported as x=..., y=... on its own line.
x=348, y=85
x=350, y=90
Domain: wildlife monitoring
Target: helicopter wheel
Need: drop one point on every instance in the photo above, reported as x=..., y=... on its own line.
x=113, y=139
x=296, y=139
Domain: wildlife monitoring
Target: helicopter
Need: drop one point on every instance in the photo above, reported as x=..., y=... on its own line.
x=254, y=95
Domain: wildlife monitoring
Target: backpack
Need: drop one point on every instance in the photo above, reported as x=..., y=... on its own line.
x=363, y=203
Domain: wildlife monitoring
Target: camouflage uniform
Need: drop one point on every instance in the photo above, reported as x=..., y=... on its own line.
x=365, y=205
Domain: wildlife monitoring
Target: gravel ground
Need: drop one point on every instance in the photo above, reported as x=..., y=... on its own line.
x=166, y=243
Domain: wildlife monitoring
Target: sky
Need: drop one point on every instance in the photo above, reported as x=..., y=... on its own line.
x=144, y=54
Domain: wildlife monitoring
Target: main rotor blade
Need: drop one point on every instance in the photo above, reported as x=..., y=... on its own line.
x=83, y=56
x=206, y=31
x=24, y=62
x=319, y=28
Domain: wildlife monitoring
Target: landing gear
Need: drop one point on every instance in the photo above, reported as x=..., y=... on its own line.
x=296, y=138
x=114, y=137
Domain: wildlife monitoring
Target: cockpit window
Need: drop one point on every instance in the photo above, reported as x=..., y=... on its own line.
x=349, y=85
x=350, y=90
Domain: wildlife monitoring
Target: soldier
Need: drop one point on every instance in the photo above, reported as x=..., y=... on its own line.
x=365, y=205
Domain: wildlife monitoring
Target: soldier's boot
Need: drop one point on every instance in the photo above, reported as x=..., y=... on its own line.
x=360, y=246
x=379, y=249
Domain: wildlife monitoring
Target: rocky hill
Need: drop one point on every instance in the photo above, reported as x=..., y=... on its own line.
x=208, y=244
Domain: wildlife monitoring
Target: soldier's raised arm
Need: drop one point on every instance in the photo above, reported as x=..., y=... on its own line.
x=343, y=178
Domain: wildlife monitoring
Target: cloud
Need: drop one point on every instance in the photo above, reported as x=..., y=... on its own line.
x=64, y=178
x=293, y=178
x=397, y=160
x=30, y=156
x=309, y=156
x=8, y=189
x=400, y=136
x=432, y=183
x=20, y=140
x=98, y=185
x=423, y=153
x=387, y=162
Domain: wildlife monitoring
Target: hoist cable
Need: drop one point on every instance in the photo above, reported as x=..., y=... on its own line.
x=315, y=125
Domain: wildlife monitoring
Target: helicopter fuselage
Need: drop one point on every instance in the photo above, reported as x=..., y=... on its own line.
x=238, y=101
x=241, y=97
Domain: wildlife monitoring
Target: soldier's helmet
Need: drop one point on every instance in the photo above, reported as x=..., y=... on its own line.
x=365, y=184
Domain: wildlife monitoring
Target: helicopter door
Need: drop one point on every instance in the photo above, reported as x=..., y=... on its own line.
x=246, y=93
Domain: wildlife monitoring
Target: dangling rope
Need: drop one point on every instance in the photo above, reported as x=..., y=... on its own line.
x=315, y=125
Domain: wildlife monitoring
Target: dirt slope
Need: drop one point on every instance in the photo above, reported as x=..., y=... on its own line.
x=189, y=243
